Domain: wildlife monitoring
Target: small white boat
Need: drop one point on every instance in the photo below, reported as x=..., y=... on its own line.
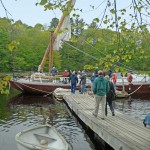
x=59, y=93
x=41, y=137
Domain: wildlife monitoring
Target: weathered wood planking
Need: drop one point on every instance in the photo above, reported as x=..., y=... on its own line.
x=120, y=131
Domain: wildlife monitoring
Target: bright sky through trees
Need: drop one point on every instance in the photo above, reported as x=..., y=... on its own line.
x=27, y=12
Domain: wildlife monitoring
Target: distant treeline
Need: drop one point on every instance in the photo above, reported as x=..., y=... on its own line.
x=22, y=47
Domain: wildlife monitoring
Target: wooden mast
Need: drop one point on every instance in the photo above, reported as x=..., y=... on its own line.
x=49, y=50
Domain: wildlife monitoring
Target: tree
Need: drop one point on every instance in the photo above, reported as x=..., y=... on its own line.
x=122, y=47
x=54, y=23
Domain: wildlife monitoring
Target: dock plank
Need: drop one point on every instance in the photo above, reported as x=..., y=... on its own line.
x=120, y=131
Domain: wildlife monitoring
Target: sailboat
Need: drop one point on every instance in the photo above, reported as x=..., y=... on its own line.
x=39, y=83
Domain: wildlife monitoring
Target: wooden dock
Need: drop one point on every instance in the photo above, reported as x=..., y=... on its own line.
x=120, y=131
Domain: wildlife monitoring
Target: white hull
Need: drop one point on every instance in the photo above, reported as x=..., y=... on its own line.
x=42, y=137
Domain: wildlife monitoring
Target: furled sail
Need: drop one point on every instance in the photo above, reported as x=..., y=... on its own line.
x=62, y=32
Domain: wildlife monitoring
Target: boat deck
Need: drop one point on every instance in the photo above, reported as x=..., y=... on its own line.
x=120, y=131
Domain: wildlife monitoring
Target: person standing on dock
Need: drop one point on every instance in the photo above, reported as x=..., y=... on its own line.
x=100, y=89
x=74, y=80
x=146, y=121
x=92, y=80
x=83, y=82
x=114, y=79
x=110, y=97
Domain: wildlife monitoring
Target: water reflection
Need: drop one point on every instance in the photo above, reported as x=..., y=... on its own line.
x=23, y=111
x=135, y=108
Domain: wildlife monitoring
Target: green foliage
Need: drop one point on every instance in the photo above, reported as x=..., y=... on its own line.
x=3, y=85
x=112, y=50
x=89, y=67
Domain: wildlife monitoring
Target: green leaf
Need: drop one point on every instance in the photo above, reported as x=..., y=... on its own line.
x=43, y=2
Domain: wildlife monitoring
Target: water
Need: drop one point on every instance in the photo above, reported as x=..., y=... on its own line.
x=134, y=108
x=20, y=112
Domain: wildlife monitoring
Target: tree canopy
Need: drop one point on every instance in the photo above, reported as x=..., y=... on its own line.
x=110, y=41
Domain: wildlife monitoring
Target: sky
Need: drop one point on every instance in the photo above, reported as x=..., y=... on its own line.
x=30, y=14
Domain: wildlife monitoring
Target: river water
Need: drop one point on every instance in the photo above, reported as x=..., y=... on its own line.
x=18, y=112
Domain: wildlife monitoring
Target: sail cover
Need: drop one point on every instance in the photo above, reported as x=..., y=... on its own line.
x=64, y=32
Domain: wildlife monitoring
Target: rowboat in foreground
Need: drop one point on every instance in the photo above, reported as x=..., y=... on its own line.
x=42, y=137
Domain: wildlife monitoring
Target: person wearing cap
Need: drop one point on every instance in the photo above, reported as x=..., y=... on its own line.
x=100, y=89
x=110, y=97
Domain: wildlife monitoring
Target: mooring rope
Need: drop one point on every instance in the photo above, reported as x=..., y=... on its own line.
x=137, y=88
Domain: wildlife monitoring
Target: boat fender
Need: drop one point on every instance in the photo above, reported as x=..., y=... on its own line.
x=129, y=91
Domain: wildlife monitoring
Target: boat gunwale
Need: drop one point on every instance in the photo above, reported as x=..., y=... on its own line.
x=29, y=145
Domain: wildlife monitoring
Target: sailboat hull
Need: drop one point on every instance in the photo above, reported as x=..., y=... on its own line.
x=37, y=87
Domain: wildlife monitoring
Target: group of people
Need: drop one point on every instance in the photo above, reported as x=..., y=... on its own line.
x=104, y=91
x=74, y=78
x=103, y=87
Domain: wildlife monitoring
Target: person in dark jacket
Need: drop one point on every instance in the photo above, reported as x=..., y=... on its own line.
x=83, y=82
x=100, y=89
x=53, y=71
x=110, y=97
x=74, y=80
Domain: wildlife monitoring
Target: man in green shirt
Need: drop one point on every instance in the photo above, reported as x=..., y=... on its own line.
x=100, y=89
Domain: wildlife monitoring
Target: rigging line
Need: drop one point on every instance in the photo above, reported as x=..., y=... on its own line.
x=116, y=24
x=95, y=48
x=103, y=15
x=131, y=69
x=148, y=2
x=125, y=67
x=138, y=11
x=6, y=11
x=101, y=19
x=95, y=8
x=81, y=51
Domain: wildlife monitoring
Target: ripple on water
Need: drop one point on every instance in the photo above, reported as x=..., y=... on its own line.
x=24, y=114
x=135, y=108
